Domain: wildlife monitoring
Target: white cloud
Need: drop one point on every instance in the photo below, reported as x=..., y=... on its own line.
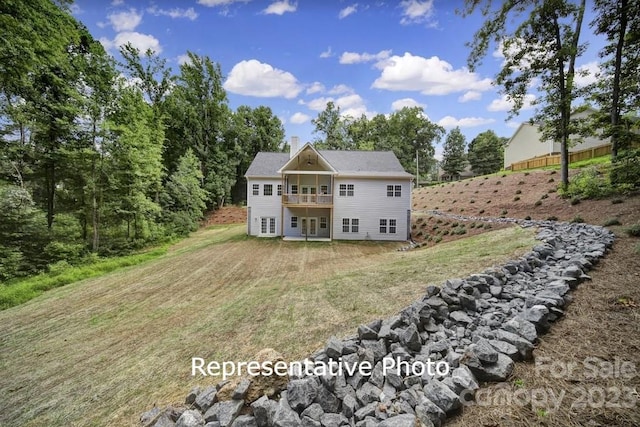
x=406, y=102
x=508, y=49
x=416, y=12
x=355, y=58
x=117, y=2
x=513, y=125
x=349, y=10
x=316, y=87
x=189, y=13
x=450, y=122
x=587, y=74
x=429, y=76
x=340, y=89
x=183, y=59
x=350, y=105
x=125, y=21
x=254, y=78
x=504, y=103
x=140, y=41
x=299, y=118
x=280, y=8
x=471, y=95
x=327, y=53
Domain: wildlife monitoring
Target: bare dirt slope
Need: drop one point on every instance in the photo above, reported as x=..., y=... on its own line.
x=226, y=215
x=599, y=334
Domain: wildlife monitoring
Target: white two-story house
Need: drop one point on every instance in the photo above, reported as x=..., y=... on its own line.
x=311, y=194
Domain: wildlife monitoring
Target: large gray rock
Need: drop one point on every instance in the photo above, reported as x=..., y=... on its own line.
x=285, y=417
x=244, y=421
x=498, y=371
x=483, y=350
x=404, y=420
x=334, y=348
x=190, y=418
x=442, y=396
x=164, y=421
x=206, y=398
x=224, y=412
x=525, y=348
x=333, y=420
x=264, y=410
x=411, y=338
x=522, y=327
x=301, y=393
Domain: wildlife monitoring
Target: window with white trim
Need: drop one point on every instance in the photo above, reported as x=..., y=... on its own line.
x=394, y=190
x=256, y=189
x=389, y=225
x=294, y=222
x=346, y=190
x=267, y=190
x=323, y=222
x=294, y=188
x=324, y=189
x=279, y=189
x=350, y=225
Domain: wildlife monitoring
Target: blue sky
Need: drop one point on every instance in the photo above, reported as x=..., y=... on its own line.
x=368, y=57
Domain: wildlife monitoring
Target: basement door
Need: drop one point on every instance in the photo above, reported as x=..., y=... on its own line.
x=267, y=226
x=309, y=227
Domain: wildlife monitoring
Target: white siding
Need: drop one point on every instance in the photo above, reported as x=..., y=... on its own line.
x=310, y=213
x=369, y=204
x=261, y=205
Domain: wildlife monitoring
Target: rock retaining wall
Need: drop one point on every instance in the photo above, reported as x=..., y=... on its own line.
x=479, y=325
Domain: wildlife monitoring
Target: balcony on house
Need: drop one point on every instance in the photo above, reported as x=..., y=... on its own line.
x=304, y=189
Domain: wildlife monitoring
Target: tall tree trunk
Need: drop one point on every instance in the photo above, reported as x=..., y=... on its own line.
x=615, y=90
x=50, y=184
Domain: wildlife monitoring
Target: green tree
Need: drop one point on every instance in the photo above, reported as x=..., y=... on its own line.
x=453, y=158
x=199, y=118
x=486, y=153
x=616, y=91
x=252, y=130
x=184, y=200
x=330, y=125
x=540, y=40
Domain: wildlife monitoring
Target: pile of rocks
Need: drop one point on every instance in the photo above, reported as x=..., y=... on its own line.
x=478, y=325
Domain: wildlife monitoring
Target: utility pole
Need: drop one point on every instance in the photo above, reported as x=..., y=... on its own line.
x=417, y=171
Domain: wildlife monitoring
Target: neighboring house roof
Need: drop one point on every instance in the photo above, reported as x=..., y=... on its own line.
x=352, y=163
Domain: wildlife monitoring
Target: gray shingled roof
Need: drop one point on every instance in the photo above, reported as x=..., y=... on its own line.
x=383, y=163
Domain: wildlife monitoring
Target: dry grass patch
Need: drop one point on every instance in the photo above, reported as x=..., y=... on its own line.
x=101, y=351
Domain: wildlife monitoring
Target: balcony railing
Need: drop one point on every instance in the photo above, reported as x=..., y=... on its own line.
x=307, y=199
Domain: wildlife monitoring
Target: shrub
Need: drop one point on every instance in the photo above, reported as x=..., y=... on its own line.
x=589, y=183
x=472, y=225
x=612, y=221
x=487, y=226
x=438, y=221
x=413, y=226
x=552, y=172
x=454, y=224
x=552, y=218
x=633, y=231
x=551, y=190
x=528, y=217
x=488, y=201
x=551, y=180
x=482, y=183
x=518, y=191
x=575, y=201
x=504, y=175
x=515, y=199
x=504, y=212
x=577, y=219
x=526, y=174
x=626, y=169
x=544, y=196
x=461, y=209
x=453, y=201
x=437, y=239
x=459, y=230
x=495, y=191
x=445, y=232
x=538, y=203
x=475, y=192
x=472, y=201
x=486, y=177
x=481, y=211
x=498, y=182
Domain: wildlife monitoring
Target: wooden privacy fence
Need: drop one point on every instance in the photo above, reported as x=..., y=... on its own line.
x=554, y=159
